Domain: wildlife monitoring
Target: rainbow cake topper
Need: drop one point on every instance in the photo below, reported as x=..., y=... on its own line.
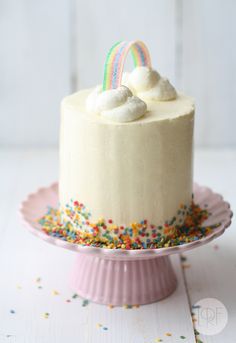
x=116, y=58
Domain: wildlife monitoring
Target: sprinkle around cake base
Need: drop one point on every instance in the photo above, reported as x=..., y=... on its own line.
x=192, y=229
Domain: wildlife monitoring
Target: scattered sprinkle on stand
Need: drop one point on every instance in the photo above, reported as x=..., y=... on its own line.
x=85, y=303
x=182, y=337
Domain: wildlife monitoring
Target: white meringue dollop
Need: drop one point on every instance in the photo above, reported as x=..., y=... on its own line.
x=118, y=104
x=147, y=84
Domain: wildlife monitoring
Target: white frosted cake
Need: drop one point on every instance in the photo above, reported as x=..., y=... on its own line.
x=126, y=156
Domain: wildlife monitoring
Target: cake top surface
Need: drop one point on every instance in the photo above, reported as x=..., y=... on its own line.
x=142, y=95
x=156, y=110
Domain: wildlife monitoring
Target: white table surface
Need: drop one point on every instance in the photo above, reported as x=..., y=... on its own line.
x=210, y=272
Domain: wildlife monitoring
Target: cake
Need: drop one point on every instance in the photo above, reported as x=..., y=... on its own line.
x=126, y=155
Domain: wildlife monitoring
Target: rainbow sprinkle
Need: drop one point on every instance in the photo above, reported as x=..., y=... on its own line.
x=54, y=292
x=74, y=296
x=99, y=325
x=76, y=227
x=115, y=60
x=46, y=315
x=85, y=302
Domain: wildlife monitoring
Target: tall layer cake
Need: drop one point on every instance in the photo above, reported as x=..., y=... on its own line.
x=126, y=155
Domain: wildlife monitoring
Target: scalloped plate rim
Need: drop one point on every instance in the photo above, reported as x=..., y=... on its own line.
x=122, y=253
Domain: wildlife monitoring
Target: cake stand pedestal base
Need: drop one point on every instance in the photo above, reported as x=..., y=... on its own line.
x=120, y=282
x=124, y=277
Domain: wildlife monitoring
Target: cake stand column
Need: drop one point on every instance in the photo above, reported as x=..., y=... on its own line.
x=119, y=282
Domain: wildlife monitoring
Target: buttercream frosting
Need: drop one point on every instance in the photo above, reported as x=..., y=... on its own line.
x=118, y=104
x=147, y=84
x=127, y=171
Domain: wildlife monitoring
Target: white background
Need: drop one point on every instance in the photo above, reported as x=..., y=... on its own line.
x=50, y=48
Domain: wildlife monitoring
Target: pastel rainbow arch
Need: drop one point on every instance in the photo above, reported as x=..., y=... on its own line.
x=115, y=61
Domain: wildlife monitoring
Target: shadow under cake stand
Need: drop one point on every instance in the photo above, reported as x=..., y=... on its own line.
x=117, y=276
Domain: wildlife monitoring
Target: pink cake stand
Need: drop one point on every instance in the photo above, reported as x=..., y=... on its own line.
x=117, y=276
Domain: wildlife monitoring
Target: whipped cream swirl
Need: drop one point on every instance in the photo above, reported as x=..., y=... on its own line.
x=118, y=104
x=147, y=84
